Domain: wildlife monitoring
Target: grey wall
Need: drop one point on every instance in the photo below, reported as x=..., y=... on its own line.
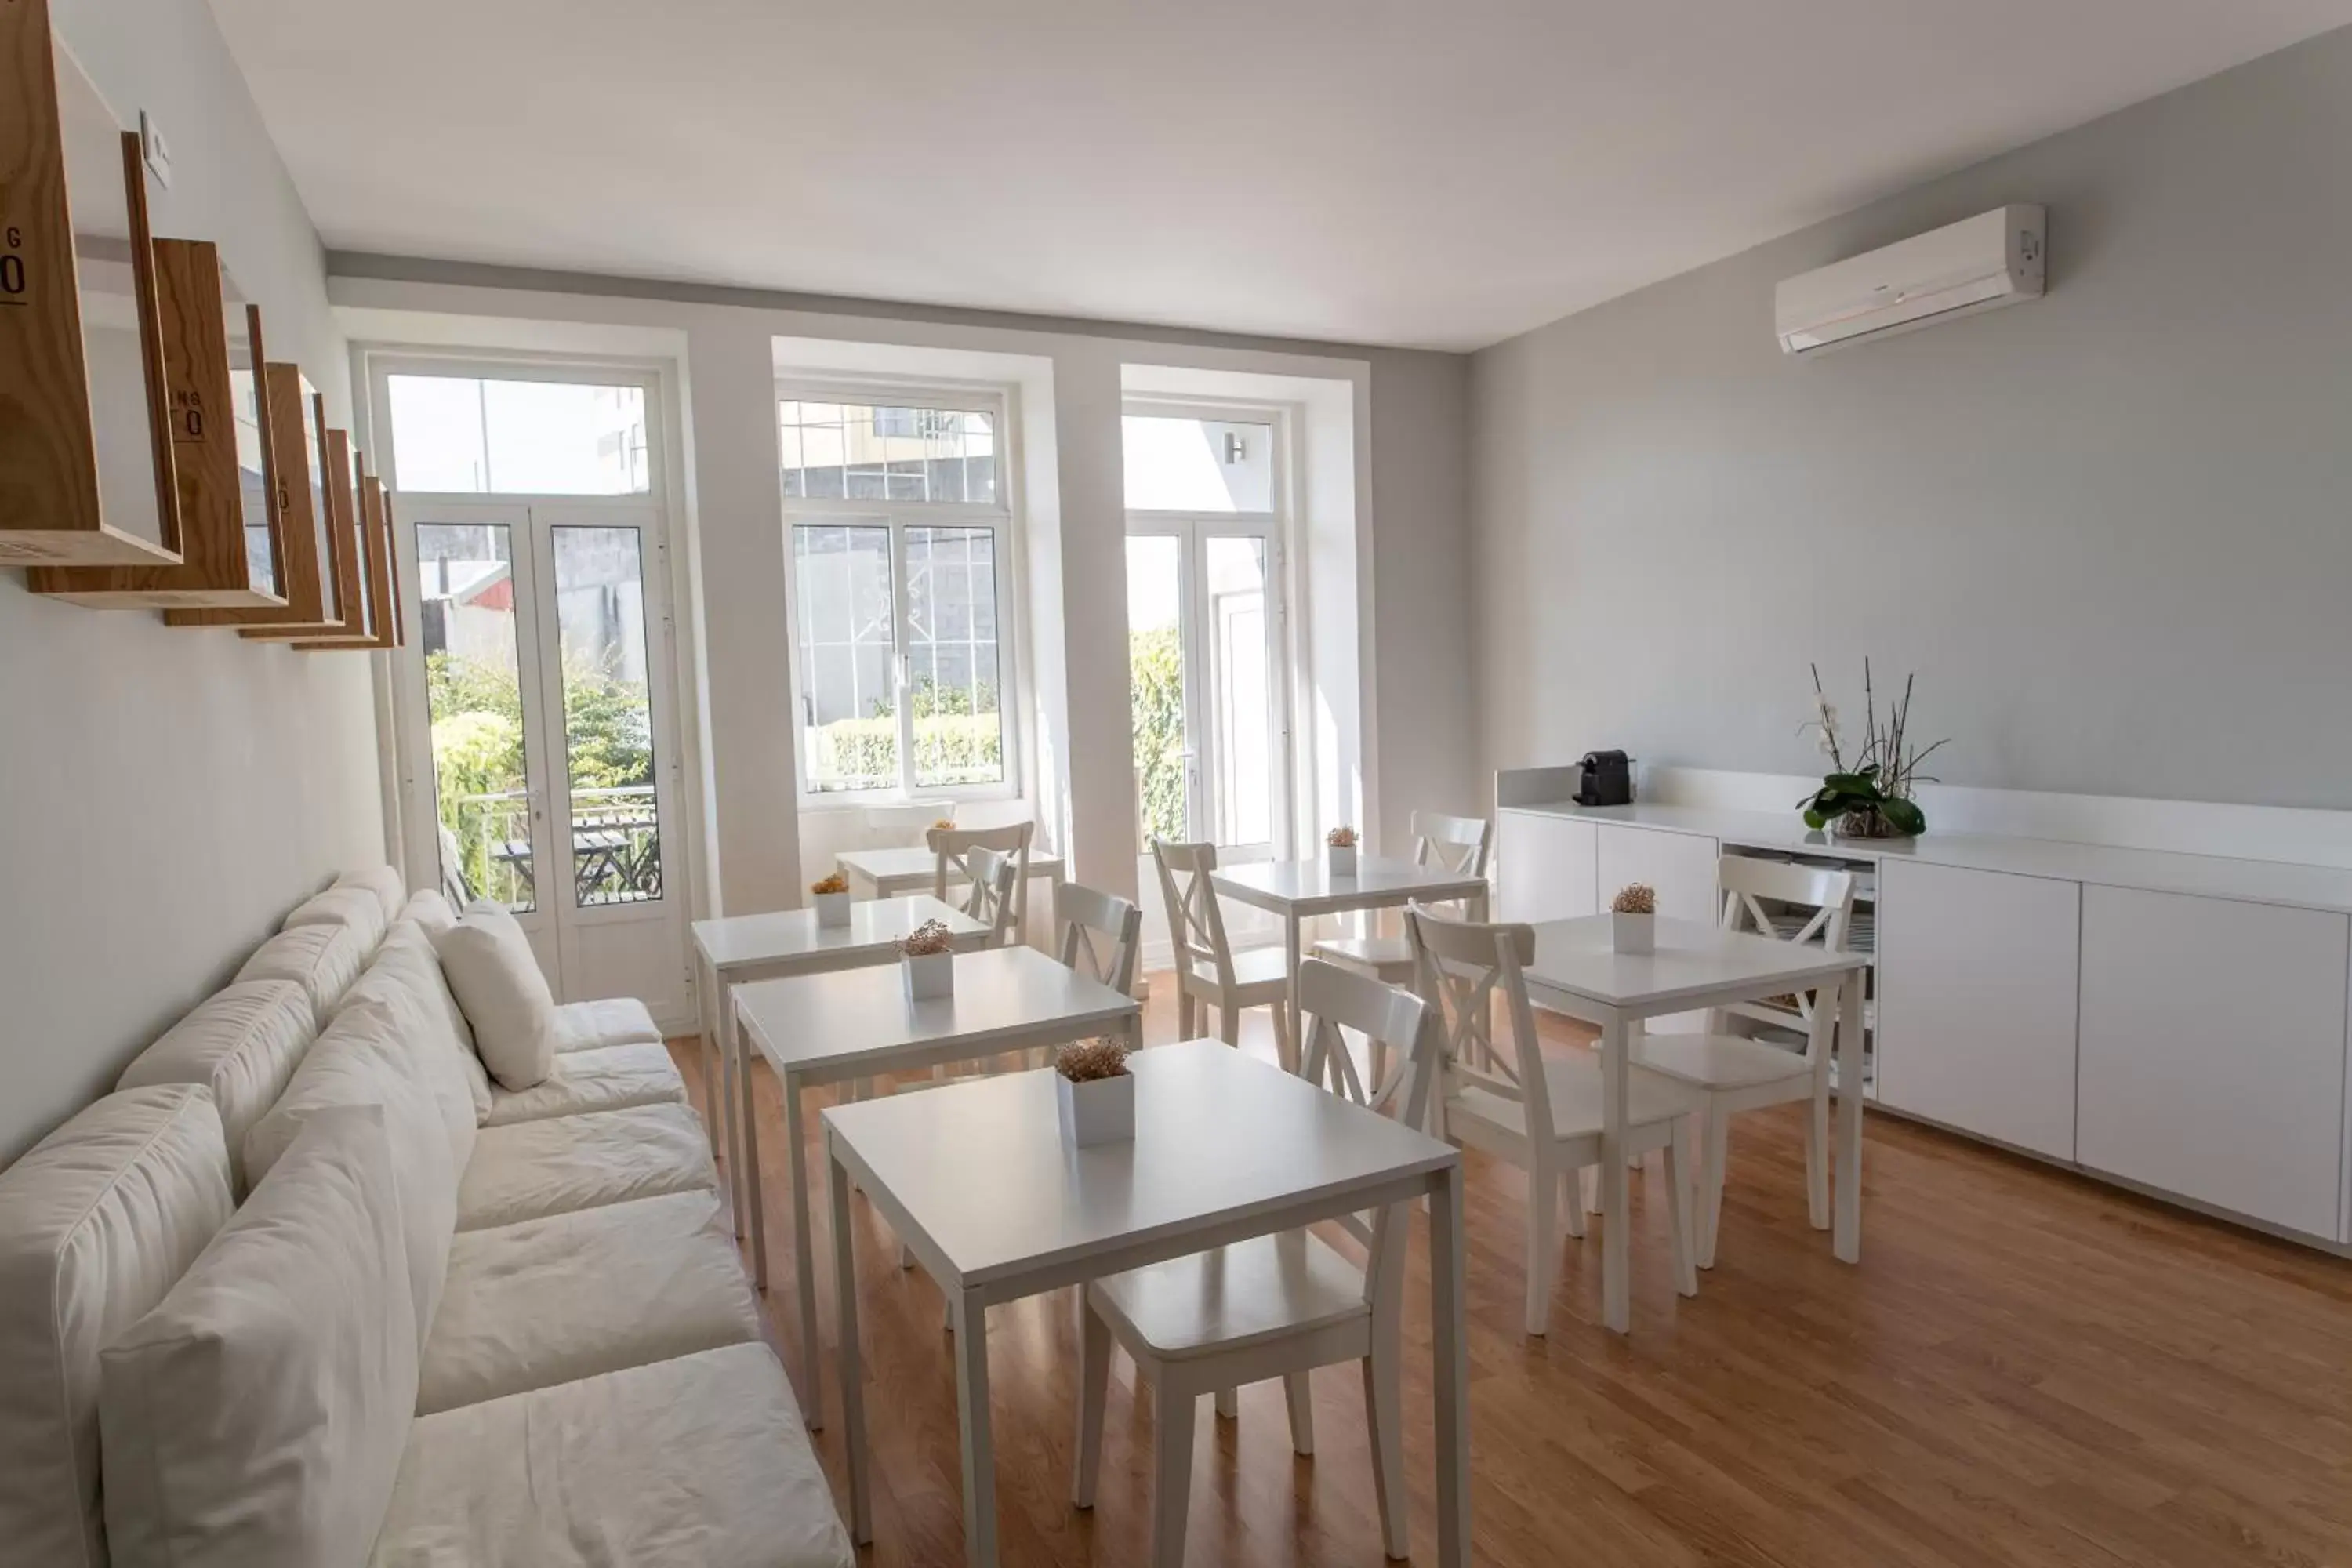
x=2111, y=530
x=167, y=795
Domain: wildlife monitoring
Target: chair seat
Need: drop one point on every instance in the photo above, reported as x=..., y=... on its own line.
x=1373, y=953
x=1259, y=975
x=1719, y=1061
x=1269, y=1287
x=1574, y=1082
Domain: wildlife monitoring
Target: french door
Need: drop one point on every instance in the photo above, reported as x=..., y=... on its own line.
x=539, y=764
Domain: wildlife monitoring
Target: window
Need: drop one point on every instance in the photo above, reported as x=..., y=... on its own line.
x=480, y=436
x=900, y=557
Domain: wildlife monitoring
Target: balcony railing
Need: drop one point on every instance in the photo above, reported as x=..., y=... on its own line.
x=615, y=847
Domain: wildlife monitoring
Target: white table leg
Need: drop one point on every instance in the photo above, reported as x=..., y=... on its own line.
x=1291, y=1017
x=804, y=1252
x=1616, y=1240
x=972, y=1417
x=730, y=1127
x=1449, y=1353
x=748, y=1130
x=1846, y=1237
x=852, y=1390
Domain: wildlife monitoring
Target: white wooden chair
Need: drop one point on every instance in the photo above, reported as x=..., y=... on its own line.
x=1458, y=844
x=1551, y=1117
x=991, y=896
x=1274, y=1306
x=951, y=865
x=1208, y=970
x=1102, y=935
x=1732, y=1073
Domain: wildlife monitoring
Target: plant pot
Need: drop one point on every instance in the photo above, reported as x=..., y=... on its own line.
x=832, y=909
x=1100, y=1110
x=1341, y=858
x=1632, y=933
x=1865, y=825
x=929, y=977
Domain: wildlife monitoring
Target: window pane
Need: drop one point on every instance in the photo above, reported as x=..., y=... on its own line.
x=1155, y=652
x=1241, y=707
x=879, y=452
x=1198, y=465
x=479, y=436
x=608, y=732
x=840, y=585
x=472, y=676
x=956, y=693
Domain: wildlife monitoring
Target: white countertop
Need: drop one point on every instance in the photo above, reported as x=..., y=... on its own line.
x=2157, y=870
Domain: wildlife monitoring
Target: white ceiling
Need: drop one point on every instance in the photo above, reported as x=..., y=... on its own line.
x=1434, y=173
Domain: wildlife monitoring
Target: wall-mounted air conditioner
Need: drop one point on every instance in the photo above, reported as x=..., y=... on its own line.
x=1976, y=264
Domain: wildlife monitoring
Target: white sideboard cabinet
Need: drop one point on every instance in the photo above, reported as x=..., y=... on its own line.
x=1977, y=975
x=2214, y=1052
x=1544, y=867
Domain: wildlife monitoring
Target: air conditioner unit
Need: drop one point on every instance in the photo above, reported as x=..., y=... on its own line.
x=1976, y=264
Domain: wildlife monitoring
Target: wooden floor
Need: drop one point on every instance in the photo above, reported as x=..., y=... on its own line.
x=2027, y=1368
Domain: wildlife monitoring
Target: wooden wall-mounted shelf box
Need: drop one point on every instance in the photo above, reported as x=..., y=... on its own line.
x=382, y=579
x=294, y=415
x=337, y=502
x=232, y=550
x=85, y=451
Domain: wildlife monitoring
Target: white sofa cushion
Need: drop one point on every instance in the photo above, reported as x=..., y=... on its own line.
x=98, y=1222
x=489, y=967
x=565, y=1163
x=613, y=1021
x=697, y=1462
x=609, y=1079
x=531, y=1305
x=322, y=959
x=353, y=907
x=256, y=1418
x=429, y=910
x=243, y=1043
x=407, y=973
x=363, y=1059
x=383, y=883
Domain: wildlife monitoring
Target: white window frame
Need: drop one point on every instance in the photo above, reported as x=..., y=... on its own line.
x=1271, y=526
x=999, y=518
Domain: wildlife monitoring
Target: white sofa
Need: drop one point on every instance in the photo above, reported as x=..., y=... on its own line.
x=588, y=1381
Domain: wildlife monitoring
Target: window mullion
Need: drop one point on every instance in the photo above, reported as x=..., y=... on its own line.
x=902, y=648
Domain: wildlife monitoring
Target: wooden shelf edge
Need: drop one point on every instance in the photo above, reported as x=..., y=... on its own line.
x=101, y=546
x=70, y=587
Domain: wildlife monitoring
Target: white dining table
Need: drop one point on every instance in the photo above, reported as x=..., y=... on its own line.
x=885, y=873
x=1296, y=891
x=977, y=1183
x=851, y=1023
x=734, y=949
x=1694, y=965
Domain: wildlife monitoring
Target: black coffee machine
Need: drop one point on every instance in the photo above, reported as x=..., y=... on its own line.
x=1604, y=778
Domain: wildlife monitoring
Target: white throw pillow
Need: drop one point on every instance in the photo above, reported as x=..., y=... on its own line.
x=487, y=962
x=256, y=1416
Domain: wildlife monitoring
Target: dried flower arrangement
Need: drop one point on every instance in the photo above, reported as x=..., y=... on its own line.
x=946, y=823
x=1090, y=1061
x=1868, y=795
x=1635, y=899
x=836, y=883
x=925, y=940
x=1340, y=838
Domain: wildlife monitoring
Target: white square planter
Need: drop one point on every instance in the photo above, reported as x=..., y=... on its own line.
x=1343, y=859
x=832, y=909
x=1632, y=933
x=929, y=977
x=1100, y=1112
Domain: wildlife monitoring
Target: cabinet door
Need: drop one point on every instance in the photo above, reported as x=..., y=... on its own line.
x=1544, y=867
x=2212, y=1052
x=1681, y=867
x=1977, y=984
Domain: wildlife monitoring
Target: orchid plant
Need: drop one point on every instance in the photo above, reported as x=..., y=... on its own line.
x=1867, y=794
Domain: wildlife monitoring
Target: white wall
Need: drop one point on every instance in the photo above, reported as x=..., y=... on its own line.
x=2107, y=527
x=167, y=794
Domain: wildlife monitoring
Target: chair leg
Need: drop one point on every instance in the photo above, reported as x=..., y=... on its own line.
x=1817, y=1158
x=1184, y=1014
x=1587, y=1188
x=1384, y=1414
x=1300, y=1397
x=1229, y=1024
x=1574, y=1183
x=1228, y=1404
x=1543, y=1243
x=1172, y=1476
x=1094, y=1391
x=1678, y=1206
x=1283, y=1051
x=1714, y=1158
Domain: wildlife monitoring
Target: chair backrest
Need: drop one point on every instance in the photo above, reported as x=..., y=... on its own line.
x=1458, y=968
x=1459, y=844
x=1101, y=935
x=990, y=897
x=1196, y=926
x=1333, y=999
x=952, y=850
x=1746, y=882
